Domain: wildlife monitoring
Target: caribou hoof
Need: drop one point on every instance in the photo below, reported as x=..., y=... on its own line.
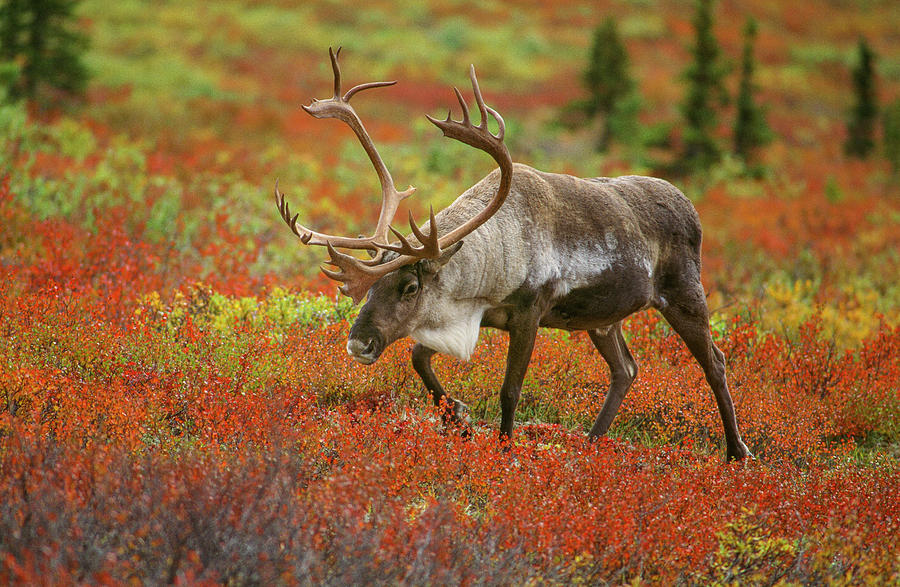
x=738, y=453
x=456, y=417
x=459, y=412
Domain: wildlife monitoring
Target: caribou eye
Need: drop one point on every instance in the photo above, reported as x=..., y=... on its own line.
x=411, y=288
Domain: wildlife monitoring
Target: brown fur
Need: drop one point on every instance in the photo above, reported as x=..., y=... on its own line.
x=562, y=252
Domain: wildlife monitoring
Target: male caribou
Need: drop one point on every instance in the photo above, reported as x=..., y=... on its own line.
x=541, y=249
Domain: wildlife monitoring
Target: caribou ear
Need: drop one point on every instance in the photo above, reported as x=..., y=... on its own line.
x=432, y=266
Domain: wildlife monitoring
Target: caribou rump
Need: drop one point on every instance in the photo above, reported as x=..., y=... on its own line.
x=541, y=249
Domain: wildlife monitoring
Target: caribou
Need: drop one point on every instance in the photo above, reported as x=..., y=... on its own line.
x=541, y=250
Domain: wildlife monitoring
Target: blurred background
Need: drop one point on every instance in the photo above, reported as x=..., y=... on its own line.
x=149, y=135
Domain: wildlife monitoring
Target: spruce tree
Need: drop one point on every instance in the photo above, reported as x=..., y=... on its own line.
x=39, y=37
x=861, y=126
x=750, y=129
x=705, y=76
x=608, y=83
x=12, y=13
x=891, y=126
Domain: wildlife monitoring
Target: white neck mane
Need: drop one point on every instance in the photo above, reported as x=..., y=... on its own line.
x=455, y=332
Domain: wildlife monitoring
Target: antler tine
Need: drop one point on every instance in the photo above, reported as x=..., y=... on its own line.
x=430, y=247
x=485, y=109
x=463, y=105
x=336, y=68
x=311, y=237
x=501, y=132
x=479, y=99
x=404, y=248
x=285, y=209
x=356, y=89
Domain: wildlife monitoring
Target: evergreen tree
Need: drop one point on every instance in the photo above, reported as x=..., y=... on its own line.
x=12, y=12
x=750, y=129
x=861, y=127
x=38, y=37
x=609, y=85
x=705, y=77
x=891, y=124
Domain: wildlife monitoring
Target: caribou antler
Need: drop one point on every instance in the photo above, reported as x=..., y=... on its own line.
x=339, y=107
x=480, y=138
x=359, y=275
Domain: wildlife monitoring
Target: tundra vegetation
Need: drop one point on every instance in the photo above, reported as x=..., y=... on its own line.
x=176, y=401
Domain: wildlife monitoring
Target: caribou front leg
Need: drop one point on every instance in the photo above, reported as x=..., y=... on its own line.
x=522, y=332
x=456, y=412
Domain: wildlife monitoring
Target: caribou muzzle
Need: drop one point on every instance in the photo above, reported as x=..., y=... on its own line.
x=365, y=352
x=364, y=347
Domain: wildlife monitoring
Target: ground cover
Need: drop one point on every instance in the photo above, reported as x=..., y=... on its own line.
x=174, y=390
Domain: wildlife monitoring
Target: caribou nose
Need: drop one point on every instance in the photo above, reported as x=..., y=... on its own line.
x=362, y=350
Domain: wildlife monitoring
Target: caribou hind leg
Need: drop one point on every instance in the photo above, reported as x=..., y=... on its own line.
x=457, y=413
x=688, y=315
x=622, y=371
